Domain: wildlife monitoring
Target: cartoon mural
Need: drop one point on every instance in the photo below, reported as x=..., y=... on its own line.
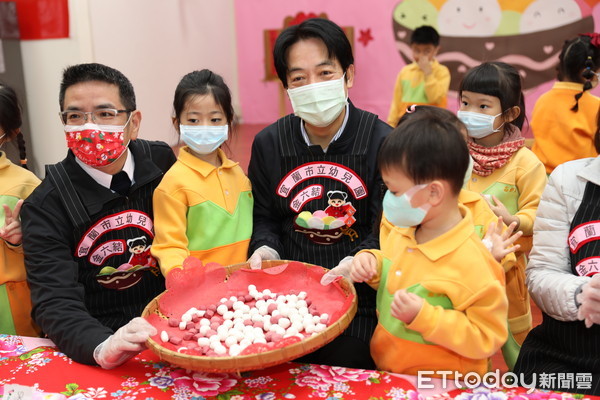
x=473, y=31
x=547, y=14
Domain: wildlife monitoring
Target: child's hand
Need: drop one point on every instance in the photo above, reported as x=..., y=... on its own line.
x=500, y=210
x=424, y=64
x=364, y=267
x=502, y=243
x=11, y=232
x=406, y=306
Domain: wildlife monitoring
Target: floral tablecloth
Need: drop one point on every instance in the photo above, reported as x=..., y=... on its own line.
x=54, y=376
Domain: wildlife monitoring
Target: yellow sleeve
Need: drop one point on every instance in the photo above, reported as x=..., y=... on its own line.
x=437, y=85
x=11, y=247
x=396, y=106
x=475, y=329
x=170, y=245
x=531, y=184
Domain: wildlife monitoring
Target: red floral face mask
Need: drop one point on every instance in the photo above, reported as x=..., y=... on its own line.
x=96, y=145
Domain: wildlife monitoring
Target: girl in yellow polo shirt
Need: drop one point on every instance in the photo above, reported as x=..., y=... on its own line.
x=564, y=118
x=203, y=205
x=507, y=173
x=16, y=184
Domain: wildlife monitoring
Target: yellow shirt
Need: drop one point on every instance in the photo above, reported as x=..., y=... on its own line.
x=463, y=319
x=15, y=301
x=560, y=134
x=518, y=185
x=202, y=211
x=413, y=87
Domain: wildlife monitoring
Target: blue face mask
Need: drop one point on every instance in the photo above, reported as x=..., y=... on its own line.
x=203, y=139
x=399, y=211
x=478, y=125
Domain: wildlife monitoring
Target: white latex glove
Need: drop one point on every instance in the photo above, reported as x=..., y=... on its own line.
x=124, y=344
x=589, y=298
x=260, y=254
x=342, y=269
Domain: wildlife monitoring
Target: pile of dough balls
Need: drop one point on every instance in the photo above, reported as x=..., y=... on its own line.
x=236, y=323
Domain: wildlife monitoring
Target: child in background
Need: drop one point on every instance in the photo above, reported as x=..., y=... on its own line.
x=508, y=174
x=425, y=81
x=203, y=205
x=564, y=118
x=17, y=184
x=435, y=311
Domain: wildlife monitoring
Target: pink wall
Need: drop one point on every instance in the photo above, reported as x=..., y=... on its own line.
x=377, y=63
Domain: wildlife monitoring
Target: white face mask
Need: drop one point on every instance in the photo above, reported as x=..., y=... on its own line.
x=319, y=104
x=478, y=125
x=203, y=139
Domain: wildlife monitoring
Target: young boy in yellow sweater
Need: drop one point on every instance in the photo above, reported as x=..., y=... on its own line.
x=441, y=300
x=424, y=81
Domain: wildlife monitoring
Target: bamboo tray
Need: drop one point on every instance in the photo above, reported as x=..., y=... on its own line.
x=260, y=360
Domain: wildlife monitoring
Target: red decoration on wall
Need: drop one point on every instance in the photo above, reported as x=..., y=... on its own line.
x=43, y=19
x=365, y=36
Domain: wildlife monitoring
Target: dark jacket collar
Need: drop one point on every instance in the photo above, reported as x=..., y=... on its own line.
x=93, y=195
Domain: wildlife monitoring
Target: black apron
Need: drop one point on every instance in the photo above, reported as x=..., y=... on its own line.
x=308, y=183
x=109, y=239
x=568, y=351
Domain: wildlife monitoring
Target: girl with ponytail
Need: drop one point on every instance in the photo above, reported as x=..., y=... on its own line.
x=16, y=184
x=564, y=119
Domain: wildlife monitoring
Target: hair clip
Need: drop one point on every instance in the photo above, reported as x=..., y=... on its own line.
x=595, y=38
x=24, y=161
x=411, y=109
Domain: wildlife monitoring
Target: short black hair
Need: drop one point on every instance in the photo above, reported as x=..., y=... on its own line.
x=97, y=72
x=425, y=35
x=198, y=83
x=500, y=80
x=334, y=38
x=426, y=149
x=427, y=111
x=138, y=241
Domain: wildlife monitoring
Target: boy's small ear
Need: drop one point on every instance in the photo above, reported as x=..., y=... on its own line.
x=436, y=193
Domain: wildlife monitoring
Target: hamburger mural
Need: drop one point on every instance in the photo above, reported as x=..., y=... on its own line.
x=474, y=31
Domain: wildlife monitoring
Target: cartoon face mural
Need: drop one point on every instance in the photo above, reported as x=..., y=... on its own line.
x=415, y=13
x=469, y=18
x=473, y=31
x=547, y=14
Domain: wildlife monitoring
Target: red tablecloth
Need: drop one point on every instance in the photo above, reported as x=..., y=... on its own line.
x=39, y=364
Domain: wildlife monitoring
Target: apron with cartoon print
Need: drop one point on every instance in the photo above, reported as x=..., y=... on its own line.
x=113, y=251
x=328, y=206
x=568, y=346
